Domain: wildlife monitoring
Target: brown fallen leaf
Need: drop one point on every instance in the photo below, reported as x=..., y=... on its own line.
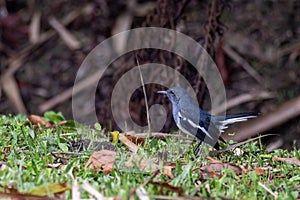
x=102, y=160
x=168, y=171
x=38, y=120
x=136, y=140
x=148, y=165
x=129, y=144
x=213, y=160
x=167, y=186
x=217, y=167
x=293, y=160
x=259, y=171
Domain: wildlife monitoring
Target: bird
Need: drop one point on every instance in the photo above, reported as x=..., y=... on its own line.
x=192, y=120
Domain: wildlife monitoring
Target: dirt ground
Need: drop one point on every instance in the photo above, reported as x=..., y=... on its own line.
x=256, y=45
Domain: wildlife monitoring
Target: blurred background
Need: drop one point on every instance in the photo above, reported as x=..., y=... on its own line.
x=255, y=44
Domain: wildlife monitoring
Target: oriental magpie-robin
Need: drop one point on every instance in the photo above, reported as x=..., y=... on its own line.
x=191, y=119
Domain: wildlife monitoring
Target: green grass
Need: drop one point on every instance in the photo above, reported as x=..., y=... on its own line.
x=27, y=153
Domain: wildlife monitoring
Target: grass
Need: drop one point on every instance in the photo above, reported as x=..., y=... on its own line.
x=32, y=156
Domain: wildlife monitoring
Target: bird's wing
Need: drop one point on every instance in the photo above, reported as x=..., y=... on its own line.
x=200, y=127
x=209, y=125
x=193, y=128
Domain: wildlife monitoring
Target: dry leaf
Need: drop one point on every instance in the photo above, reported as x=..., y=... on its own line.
x=101, y=160
x=130, y=145
x=169, y=187
x=53, y=188
x=217, y=167
x=293, y=160
x=213, y=160
x=17, y=195
x=168, y=171
x=259, y=171
x=38, y=120
x=136, y=140
x=148, y=165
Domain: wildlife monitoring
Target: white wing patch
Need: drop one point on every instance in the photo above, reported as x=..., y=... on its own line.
x=195, y=125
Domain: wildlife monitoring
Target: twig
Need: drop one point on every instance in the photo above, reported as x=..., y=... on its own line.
x=16, y=62
x=157, y=135
x=288, y=49
x=35, y=28
x=293, y=161
x=75, y=188
x=177, y=198
x=153, y=175
x=65, y=35
x=142, y=193
x=241, y=61
x=245, y=45
x=243, y=98
x=69, y=153
x=145, y=96
x=274, y=194
x=130, y=145
x=87, y=187
x=70, y=91
x=12, y=92
x=239, y=144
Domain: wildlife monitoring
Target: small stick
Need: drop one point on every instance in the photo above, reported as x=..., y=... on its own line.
x=243, y=98
x=274, y=194
x=87, y=187
x=65, y=34
x=145, y=95
x=241, y=61
x=130, y=145
x=239, y=144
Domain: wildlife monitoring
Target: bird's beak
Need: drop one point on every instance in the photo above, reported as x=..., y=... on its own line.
x=162, y=92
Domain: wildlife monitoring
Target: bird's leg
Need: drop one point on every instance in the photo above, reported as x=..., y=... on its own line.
x=198, y=149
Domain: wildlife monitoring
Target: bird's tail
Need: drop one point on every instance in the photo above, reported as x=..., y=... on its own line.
x=230, y=119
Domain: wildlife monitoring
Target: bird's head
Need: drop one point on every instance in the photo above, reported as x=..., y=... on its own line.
x=174, y=94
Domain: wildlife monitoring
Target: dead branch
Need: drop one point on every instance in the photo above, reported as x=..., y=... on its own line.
x=69, y=39
x=10, y=87
x=243, y=98
x=241, y=61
